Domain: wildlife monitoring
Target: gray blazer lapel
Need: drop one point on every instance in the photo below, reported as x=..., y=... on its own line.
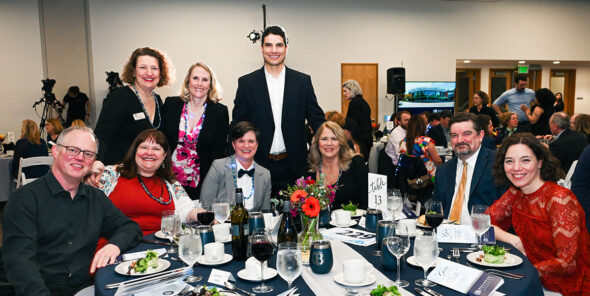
x=258, y=187
x=230, y=188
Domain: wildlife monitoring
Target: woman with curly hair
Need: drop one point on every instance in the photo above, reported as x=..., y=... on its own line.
x=548, y=221
x=541, y=111
x=129, y=110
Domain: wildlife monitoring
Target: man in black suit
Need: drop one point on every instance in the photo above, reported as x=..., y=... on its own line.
x=439, y=132
x=276, y=96
x=567, y=145
x=478, y=184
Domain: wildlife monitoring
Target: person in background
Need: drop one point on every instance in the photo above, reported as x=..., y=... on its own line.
x=582, y=125
x=239, y=171
x=547, y=219
x=397, y=136
x=573, y=121
x=30, y=144
x=509, y=122
x=438, y=133
x=350, y=129
x=129, y=110
x=433, y=120
x=580, y=185
x=78, y=123
x=330, y=156
x=78, y=105
x=196, y=125
x=417, y=144
x=480, y=106
x=488, y=140
x=541, y=111
x=53, y=128
x=558, y=106
x=514, y=98
x=359, y=111
x=567, y=145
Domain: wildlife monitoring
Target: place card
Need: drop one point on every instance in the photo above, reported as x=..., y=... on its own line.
x=378, y=194
x=464, y=279
x=219, y=277
x=350, y=235
x=451, y=233
x=138, y=255
x=363, y=222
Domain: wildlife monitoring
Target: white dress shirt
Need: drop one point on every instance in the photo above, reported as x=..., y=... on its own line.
x=245, y=182
x=393, y=141
x=465, y=211
x=276, y=89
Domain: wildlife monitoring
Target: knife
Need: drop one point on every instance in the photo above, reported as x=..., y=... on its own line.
x=153, y=241
x=422, y=292
x=432, y=292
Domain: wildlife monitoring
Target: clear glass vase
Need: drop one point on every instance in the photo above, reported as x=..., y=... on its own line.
x=309, y=234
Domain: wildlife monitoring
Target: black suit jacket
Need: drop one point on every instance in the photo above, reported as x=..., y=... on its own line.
x=213, y=137
x=360, y=111
x=568, y=147
x=438, y=135
x=252, y=104
x=483, y=190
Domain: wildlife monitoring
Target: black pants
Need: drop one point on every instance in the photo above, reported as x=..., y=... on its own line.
x=281, y=175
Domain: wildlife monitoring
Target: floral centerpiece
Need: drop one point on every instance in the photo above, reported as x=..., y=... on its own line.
x=308, y=197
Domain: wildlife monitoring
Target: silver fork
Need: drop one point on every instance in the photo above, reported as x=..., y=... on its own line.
x=186, y=288
x=456, y=254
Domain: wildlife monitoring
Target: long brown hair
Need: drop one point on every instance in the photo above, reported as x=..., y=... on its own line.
x=30, y=131
x=315, y=157
x=128, y=168
x=416, y=128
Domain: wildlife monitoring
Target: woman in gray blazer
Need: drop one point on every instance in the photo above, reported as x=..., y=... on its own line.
x=239, y=171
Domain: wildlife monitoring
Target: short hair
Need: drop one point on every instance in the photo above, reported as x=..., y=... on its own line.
x=128, y=74
x=345, y=155
x=545, y=97
x=57, y=127
x=550, y=169
x=505, y=117
x=74, y=89
x=519, y=78
x=337, y=117
x=241, y=128
x=64, y=133
x=30, y=131
x=353, y=86
x=416, y=128
x=446, y=114
x=398, y=115
x=128, y=168
x=561, y=119
x=485, y=99
x=582, y=124
x=78, y=122
x=484, y=121
x=214, y=93
x=433, y=116
x=462, y=117
x=275, y=30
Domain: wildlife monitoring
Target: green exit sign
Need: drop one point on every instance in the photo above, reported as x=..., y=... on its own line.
x=523, y=69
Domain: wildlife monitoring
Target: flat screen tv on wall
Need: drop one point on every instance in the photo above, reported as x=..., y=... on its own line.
x=431, y=96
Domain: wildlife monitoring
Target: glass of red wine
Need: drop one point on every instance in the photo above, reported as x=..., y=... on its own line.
x=434, y=214
x=262, y=250
x=207, y=216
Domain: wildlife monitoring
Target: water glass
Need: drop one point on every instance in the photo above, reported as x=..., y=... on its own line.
x=480, y=220
x=189, y=250
x=398, y=245
x=170, y=227
x=394, y=202
x=221, y=210
x=289, y=263
x=425, y=253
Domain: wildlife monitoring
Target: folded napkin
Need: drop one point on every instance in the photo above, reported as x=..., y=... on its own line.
x=253, y=267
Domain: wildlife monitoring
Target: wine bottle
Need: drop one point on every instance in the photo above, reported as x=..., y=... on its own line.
x=287, y=231
x=239, y=228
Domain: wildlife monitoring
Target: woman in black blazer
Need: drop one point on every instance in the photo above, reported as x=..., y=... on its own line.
x=196, y=126
x=130, y=110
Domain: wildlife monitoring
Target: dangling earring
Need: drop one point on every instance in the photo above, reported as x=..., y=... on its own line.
x=163, y=165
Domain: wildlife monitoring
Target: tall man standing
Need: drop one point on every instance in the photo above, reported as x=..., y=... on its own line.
x=514, y=98
x=278, y=100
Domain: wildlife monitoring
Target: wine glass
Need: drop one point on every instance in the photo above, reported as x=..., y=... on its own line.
x=480, y=220
x=206, y=217
x=170, y=227
x=394, y=202
x=398, y=245
x=434, y=214
x=425, y=253
x=262, y=249
x=189, y=250
x=221, y=209
x=289, y=262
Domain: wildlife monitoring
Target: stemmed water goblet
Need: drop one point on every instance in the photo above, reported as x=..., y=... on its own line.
x=394, y=202
x=189, y=250
x=398, y=245
x=289, y=262
x=262, y=249
x=480, y=220
x=425, y=253
x=170, y=227
x=221, y=209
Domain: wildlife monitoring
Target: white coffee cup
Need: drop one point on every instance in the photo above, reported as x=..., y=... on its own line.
x=214, y=252
x=406, y=227
x=356, y=270
x=221, y=231
x=342, y=217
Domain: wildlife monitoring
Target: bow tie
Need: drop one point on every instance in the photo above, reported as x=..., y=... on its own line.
x=249, y=173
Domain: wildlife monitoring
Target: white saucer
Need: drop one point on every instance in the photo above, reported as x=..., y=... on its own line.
x=351, y=223
x=226, y=240
x=418, y=231
x=339, y=278
x=359, y=213
x=269, y=273
x=203, y=261
x=412, y=261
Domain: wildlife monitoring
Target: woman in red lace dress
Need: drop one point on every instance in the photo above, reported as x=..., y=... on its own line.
x=548, y=220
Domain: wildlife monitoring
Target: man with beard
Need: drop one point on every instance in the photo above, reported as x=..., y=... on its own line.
x=397, y=136
x=466, y=179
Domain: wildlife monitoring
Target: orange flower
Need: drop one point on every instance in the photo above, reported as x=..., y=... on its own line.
x=311, y=207
x=298, y=195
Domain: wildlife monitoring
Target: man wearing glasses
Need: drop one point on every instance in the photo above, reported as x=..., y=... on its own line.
x=51, y=226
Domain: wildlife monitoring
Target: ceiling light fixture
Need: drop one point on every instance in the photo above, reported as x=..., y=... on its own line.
x=556, y=62
x=255, y=35
x=521, y=62
x=467, y=61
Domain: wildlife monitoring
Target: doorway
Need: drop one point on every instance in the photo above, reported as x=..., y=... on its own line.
x=366, y=74
x=468, y=82
x=503, y=79
x=564, y=81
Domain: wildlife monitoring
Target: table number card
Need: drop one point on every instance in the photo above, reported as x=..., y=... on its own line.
x=378, y=194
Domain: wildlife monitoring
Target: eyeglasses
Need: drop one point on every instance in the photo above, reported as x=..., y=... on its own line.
x=74, y=151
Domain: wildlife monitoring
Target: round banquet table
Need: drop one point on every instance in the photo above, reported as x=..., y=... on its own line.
x=530, y=285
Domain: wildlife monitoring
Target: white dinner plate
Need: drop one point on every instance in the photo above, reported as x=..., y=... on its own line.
x=339, y=278
x=510, y=260
x=203, y=260
x=269, y=273
x=123, y=268
x=418, y=224
x=412, y=261
x=351, y=223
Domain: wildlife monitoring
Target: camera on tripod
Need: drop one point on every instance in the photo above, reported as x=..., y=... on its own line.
x=113, y=80
x=48, y=94
x=50, y=102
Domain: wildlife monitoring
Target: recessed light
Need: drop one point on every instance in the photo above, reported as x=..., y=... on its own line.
x=467, y=61
x=521, y=62
x=556, y=62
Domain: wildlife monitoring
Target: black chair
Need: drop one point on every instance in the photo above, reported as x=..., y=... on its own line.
x=411, y=167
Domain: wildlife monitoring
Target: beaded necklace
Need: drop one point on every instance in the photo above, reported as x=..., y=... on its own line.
x=160, y=199
x=234, y=175
x=145, y=111
x=199, y=126
x=339, y=174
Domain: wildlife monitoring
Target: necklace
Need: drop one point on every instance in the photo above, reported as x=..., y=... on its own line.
x=160, y=199
x=199, y=123
x=339, y=174
x=234, y=175
x=145, y=111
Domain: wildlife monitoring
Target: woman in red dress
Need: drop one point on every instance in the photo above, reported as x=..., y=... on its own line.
x=548, y=220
